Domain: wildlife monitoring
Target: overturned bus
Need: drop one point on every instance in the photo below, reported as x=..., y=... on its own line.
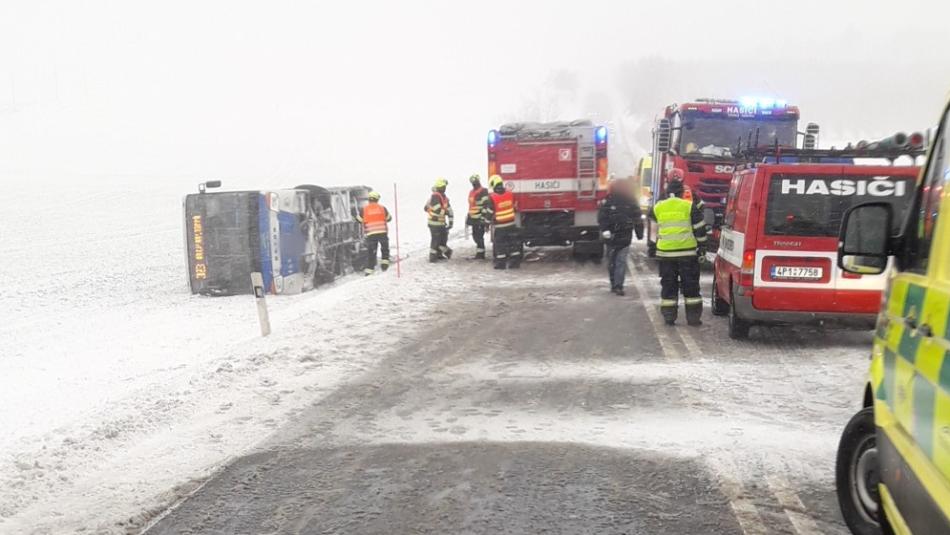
x=296, y=238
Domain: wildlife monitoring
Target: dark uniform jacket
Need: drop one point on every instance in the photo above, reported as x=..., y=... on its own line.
x=622, y=217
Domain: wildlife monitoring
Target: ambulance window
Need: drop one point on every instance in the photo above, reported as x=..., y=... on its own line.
x=937, y=174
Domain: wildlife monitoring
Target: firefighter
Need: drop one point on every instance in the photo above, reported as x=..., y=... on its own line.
x=506, y=246
x=440, y=218
x=680, y=241
x=478, y=199
x=698, y=206
x=375, y=218
x=619, y=217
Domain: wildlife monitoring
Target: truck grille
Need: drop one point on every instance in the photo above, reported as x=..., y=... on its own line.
x=713, y=192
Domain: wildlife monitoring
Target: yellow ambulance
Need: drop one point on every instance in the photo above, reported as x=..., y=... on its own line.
x=893, y=462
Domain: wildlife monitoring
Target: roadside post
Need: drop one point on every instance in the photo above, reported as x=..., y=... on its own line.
x=398, y=257
x=257, y=282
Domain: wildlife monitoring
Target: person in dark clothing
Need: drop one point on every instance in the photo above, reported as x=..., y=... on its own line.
x=619, y=217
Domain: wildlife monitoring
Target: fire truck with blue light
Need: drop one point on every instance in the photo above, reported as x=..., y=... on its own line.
x=701, y=138
x=558, y=173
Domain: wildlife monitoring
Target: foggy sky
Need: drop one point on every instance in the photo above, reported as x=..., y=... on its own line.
x=376, y=92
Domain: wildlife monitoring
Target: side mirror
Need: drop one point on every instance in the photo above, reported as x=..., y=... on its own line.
x=664, y=135
x=864, y=238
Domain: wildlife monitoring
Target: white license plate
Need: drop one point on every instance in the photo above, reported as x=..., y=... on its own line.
x=797, y=272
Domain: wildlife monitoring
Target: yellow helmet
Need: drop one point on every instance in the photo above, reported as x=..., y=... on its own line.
x=494, y=181
x=441, y=183
x=374, y=195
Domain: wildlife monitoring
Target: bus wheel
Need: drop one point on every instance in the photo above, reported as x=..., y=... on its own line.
x=719, y=305
x=857, y=475
x=738, y=327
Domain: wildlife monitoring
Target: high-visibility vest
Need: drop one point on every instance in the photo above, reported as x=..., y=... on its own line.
x=437, y=213
x=476, y=203
x=374, y=219
x=675, y=235
x=504, y=208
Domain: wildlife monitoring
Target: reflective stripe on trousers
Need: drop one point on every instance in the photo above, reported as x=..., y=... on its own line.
x=676, y=254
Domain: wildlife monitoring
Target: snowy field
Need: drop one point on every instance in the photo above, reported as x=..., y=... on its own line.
x=117, y=384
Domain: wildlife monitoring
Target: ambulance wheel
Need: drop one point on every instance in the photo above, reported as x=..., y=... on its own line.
x=857, y=475
x=719, y=305
x=738, y=327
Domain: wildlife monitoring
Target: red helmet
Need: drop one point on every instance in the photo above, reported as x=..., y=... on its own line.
x=676, y=174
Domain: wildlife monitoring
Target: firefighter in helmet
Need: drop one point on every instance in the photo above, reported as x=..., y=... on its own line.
x=439, y=213
x=698, y=206
x=680, y=240
x=506, y=245
x=375, y=218
x=478, y=200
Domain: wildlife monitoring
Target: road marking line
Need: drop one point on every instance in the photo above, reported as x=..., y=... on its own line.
x=691, y=344
x=746, y=513
x=794, y=508
x=666, y=343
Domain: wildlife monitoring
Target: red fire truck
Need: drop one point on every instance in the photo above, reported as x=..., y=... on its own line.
x=558, y=173
x=701, y=138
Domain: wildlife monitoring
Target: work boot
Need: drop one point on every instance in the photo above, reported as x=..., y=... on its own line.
x=500, y=266
x=693, y=314
x=480, y=256
x=447, y=253
x=367, y=272
x=669, y=315
x=384, y=266
x=619, y=291
x=433, y=258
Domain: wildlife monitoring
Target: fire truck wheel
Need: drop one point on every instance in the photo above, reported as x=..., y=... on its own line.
x=857, y=475
x=738, y=327
x=719, y=305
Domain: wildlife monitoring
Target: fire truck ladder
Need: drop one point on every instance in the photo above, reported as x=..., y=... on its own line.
x=586, y=171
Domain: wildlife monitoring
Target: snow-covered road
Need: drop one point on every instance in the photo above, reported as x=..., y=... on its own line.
x=121, y=392
x=542, y=403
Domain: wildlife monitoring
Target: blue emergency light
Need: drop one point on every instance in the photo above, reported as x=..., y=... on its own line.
x=492, y=138
x=601, y=134
x=764, y=103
